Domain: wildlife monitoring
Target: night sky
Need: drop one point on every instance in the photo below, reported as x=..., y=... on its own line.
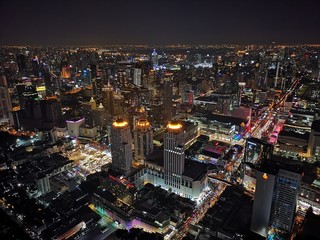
x=90, y=22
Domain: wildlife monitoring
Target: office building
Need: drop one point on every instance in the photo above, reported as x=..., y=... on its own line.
x=43, y=184
x=143, y=140
x=275, y=198
x=74, y=125
x=5, y=100
x=137, y=76
x=257, y=151
x=314, y=139
x=53, y=111
x=169, y=169
x=154, y=59
x=167, y=97
x=174, y=140
x=108, y=99
x=121, y=146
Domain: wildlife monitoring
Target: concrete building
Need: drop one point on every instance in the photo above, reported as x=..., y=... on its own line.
x=121, y=146
x=275, y=198
x=169, y=169
x=314, y=139
x=74, y=125
x=43, y=184
x=174, y=141
x=5, y=100
x=167, y=98
x=143, y=140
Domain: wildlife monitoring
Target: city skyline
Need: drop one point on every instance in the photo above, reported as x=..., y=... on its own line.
x=158, y=22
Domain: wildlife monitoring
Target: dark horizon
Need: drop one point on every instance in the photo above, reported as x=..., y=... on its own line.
x=158, y=22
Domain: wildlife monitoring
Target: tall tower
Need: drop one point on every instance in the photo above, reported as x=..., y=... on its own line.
x=275, y=198
x=167, y=97
x=5, y=100
x=137, y=76
x=121, y=146
x=174, y=140
x=154, y=59
x=143, y=140
x=108, y=99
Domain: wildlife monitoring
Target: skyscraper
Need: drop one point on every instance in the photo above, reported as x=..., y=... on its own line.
x=137, y=76
x=108, y=99
x=22, y=63
x=275, y=197
x=5, y=100
x=154, y=59
x=257, y=151
x=53, y=111
x=174, y=157
x=143, y=140
x=121, y=146
x=167, y=97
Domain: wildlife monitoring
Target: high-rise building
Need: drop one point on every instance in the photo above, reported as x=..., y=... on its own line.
x=143, y=140
x=137, y=76
x=31, y=102
x=167, y=97
x=35, y=66
x=154, y=59
x=108, y=99
x=255, y=154
x=188, y=97
x=22, y=63
x=5, y=100
x=121, y=146
x=174, y=157
x=53, y=111
x=43, y=184
x=275, y=198
x=257, y=151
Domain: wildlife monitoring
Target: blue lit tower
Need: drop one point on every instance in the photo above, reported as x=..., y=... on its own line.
x=121, y=146
x=154, y=59
x=174, y=157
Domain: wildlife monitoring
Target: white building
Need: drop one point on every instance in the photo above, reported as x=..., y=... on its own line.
x=74, y=126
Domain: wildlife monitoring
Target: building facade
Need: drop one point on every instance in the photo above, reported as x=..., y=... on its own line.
x=121, y=146
x=143, y=140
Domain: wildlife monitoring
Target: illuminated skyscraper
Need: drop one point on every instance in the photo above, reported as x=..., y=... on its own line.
x=154, y=59
x=121, y=146
x=167, y=97
x=275, y=197
x=143, y=140
x=174, y=157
